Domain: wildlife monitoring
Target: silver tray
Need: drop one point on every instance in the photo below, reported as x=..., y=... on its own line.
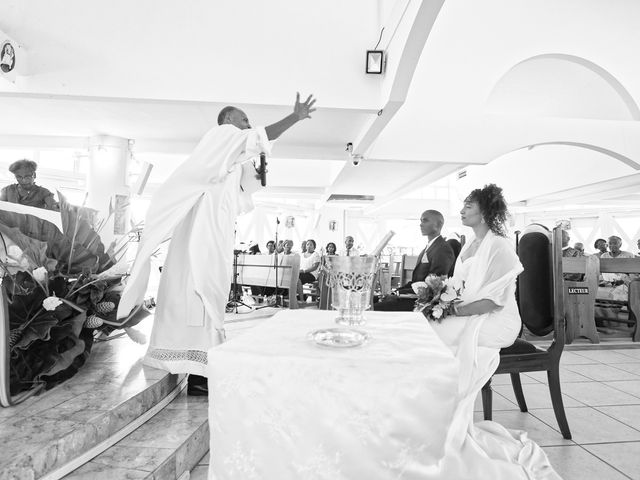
x=339, y=337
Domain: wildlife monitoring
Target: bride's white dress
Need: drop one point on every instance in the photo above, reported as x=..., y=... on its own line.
x=486, y=449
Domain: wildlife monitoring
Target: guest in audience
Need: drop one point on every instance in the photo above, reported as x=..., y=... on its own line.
x=309, y=263
x=287, y=247
x=601, y=247
x=303, y=246
x=616, y=285
x=348, y=250
x=638, y=255
x=437, y=258
x=271, y=247
x=568, y=251
x=615, y=279
x=280, y=246
x=331, y=248
x=26, y=192
x=254, y=249
x=579, y=246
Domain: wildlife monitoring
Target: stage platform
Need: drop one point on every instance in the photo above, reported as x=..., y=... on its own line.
x=115, y=419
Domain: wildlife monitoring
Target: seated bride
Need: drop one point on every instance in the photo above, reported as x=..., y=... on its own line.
x=485, y=321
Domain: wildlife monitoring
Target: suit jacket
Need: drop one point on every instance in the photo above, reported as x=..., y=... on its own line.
x=440, y=258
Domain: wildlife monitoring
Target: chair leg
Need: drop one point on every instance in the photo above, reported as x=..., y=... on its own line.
x=487, y=400
x=553, y=375
x=517, y=390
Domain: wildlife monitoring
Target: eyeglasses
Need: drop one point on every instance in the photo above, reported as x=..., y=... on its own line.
x=24, y=177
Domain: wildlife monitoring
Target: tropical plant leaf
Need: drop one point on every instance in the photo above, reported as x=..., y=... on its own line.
x=77, y=223
x=33, y=249
x=38, y=329
x=58, y=244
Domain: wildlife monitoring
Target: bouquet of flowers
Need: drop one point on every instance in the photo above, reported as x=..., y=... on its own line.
x=60, y=290
x=436, y=296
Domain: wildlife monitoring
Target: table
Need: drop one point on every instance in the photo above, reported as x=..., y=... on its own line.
x=281, y=407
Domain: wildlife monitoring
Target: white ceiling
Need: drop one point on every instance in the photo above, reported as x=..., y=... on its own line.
x=467, y=83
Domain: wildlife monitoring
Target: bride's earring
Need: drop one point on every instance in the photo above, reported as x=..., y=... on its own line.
x=482, y=221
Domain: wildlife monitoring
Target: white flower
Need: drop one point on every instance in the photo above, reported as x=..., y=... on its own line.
x=436, y=312
x=51, y=303
x=456, y=283
x=416, y=285
x=448, y=295
x=14, y=252
x=41, y=275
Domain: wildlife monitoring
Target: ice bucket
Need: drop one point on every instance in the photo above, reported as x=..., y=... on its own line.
x=351, y=280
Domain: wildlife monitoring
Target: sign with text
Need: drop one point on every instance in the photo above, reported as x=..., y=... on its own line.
x=578, y=290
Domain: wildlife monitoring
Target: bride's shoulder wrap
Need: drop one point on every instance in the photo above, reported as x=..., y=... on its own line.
x=494, y=269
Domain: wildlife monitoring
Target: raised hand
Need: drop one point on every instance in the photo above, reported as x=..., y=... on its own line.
x=304, y=110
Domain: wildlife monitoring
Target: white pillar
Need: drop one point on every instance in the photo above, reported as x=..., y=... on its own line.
x=106, y=182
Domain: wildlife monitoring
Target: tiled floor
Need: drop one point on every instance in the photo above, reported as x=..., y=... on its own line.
x=601, y=390
x=602, y=400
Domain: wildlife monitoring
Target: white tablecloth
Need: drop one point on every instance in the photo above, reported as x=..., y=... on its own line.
x=281, y=407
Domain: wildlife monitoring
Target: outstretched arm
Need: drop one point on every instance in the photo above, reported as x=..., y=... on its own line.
x=300, y=112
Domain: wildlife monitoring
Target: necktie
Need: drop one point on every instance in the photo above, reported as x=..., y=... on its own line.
x=347, y=252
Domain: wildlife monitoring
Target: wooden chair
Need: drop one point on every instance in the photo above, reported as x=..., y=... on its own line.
x=540, y=300
x=409, y=266
x=259, y=270
x=396, y=267
x=629, y=266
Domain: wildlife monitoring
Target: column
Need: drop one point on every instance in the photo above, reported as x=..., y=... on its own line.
x=106, y=182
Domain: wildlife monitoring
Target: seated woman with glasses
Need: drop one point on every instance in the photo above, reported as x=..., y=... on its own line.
x=26, y=192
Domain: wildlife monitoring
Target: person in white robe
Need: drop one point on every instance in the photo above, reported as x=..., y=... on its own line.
x=486, y=320
x=196, y=208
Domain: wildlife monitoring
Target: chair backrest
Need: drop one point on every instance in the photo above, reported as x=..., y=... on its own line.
x=410, y=262
x=540, y=295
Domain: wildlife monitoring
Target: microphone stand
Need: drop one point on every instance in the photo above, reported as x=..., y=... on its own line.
x=278, y=303
x=234, y=300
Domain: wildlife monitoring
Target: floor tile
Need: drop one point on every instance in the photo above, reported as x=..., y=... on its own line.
x=573, y=358
x=199, y=473
x=630, y=352
x=205, y=460
x=602, y=373
x=632, y=387
x=536, y=396
x=97, y=471
x=505, y=379
x=498, y=403
x=566, y=376
x=628, y=367
x=627, y=414
x=537, y=430
x=575, y=463
x=589, y=425
x=604, y=356
x=622, y=456
x=595, y=393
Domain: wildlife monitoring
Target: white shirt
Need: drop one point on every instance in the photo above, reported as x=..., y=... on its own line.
x=353, y=252
x=307, y=262
x=429, y=243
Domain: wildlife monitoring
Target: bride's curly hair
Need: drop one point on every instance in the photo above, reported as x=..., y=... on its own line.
x=492, y=206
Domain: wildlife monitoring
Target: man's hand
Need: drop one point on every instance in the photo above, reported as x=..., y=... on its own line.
x=300, y=112
x=304, y=110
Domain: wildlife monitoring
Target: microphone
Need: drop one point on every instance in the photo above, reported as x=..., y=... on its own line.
x=263, y=169
x=277, y=221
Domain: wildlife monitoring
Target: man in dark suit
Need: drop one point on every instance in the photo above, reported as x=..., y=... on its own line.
x=437, y=258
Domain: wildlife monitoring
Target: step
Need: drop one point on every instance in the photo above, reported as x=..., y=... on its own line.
x=44, y=435
x=166, y=447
